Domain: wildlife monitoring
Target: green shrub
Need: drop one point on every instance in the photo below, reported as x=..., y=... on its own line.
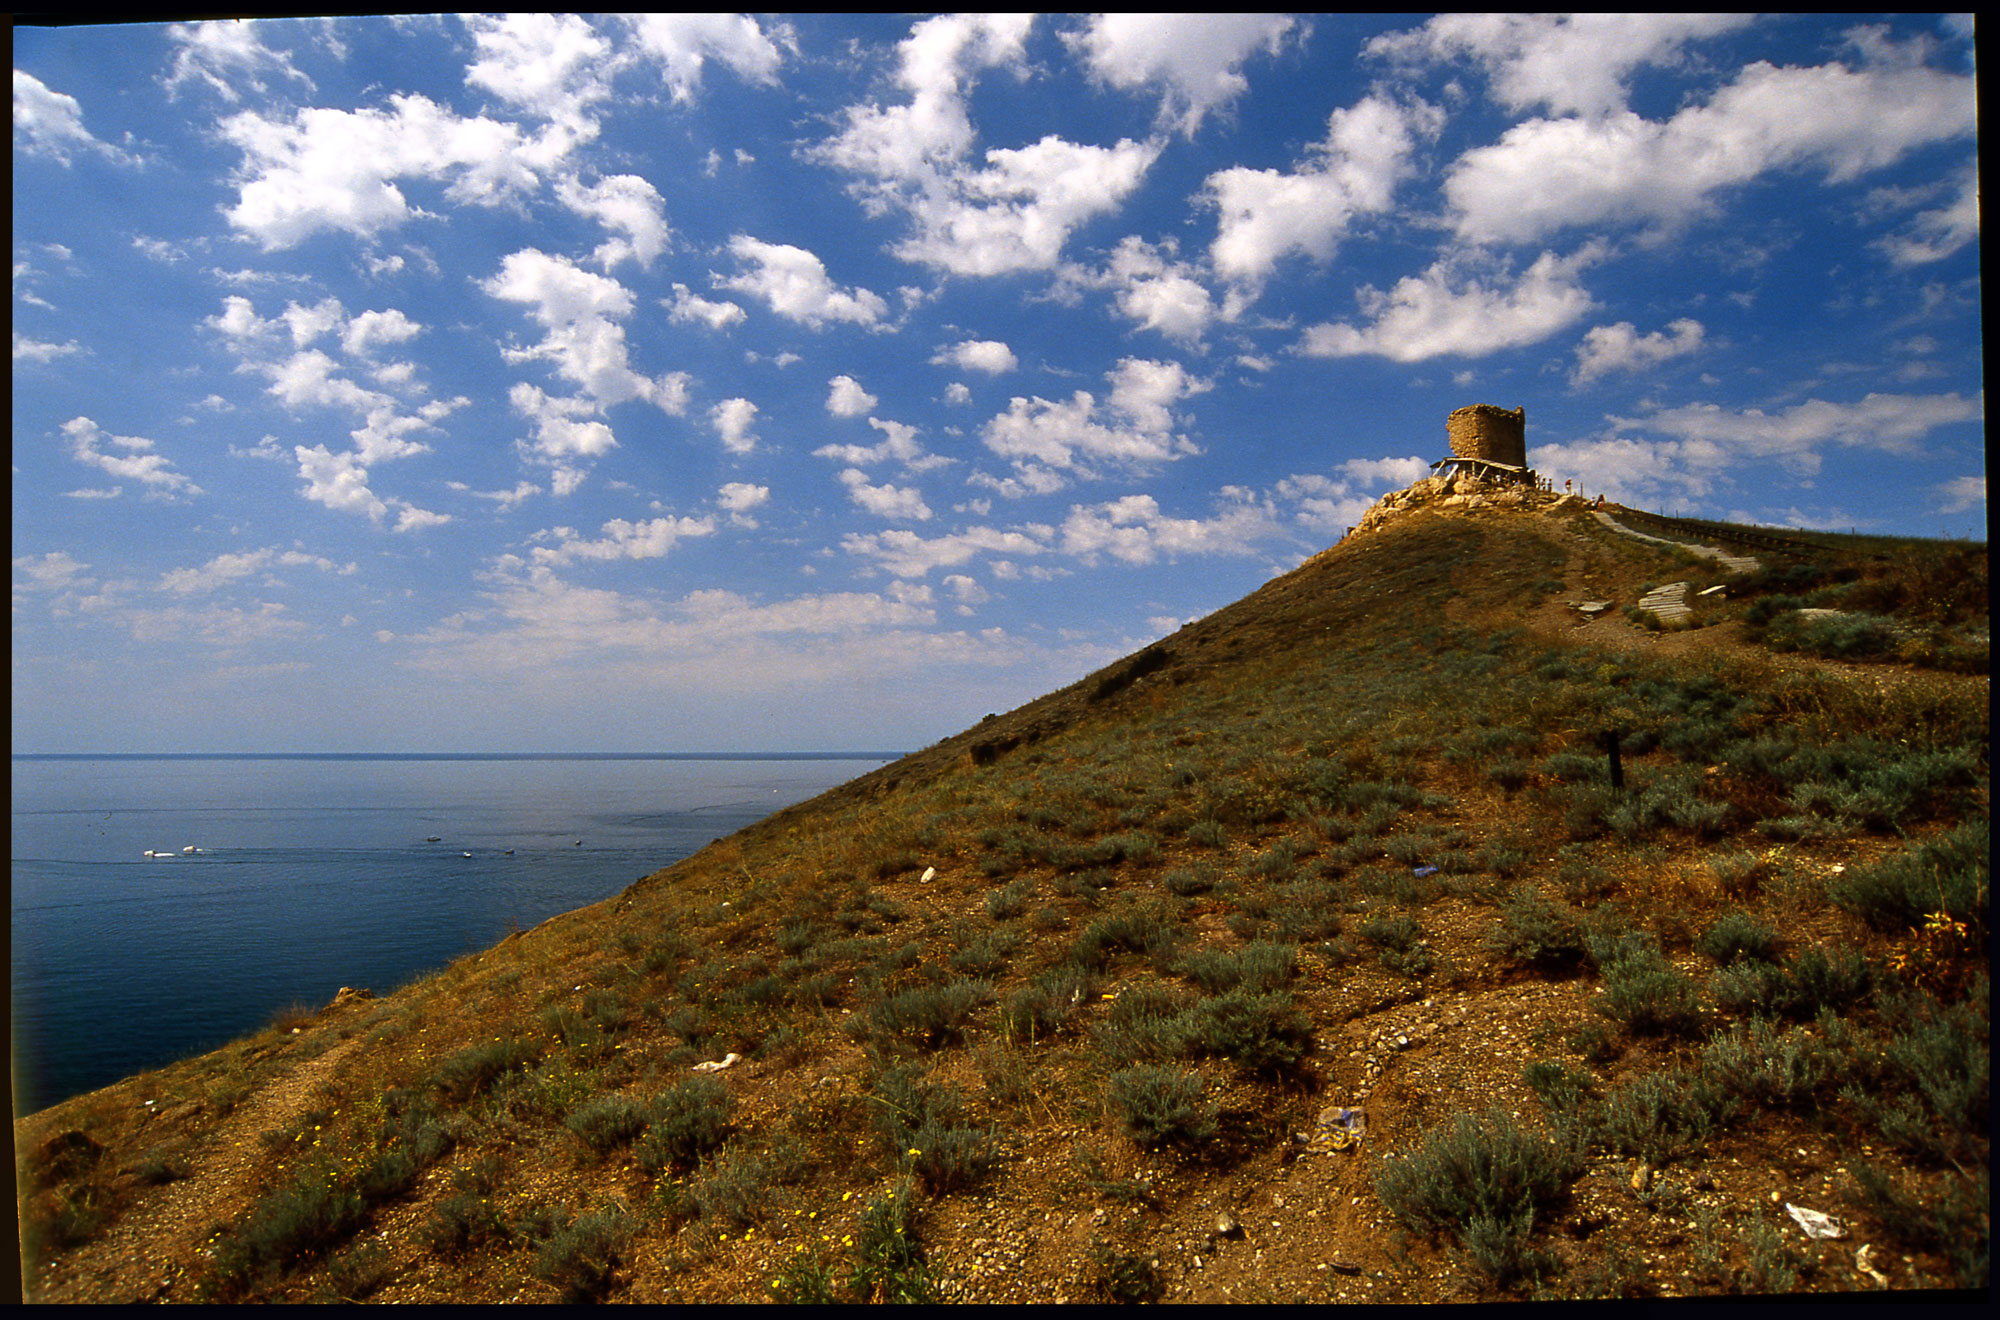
x=1121, y=1276
x=1950, y=873
x=922, y=1127
x=1157, y=1105
x=1800, y=988
x=582, y=1259
x=1140, y=932
x=689, y=1119
x=889, y=1253
x=1663, y=1115
x=1188, y=881
x=1955, y=1222
x=1049, y=1005
x=471, y=1070
x=1642, y=990
x=467, y=1217
x=1011, y=901
x=1767, y=1067
x=1257, y=966
x=1536, y=932
x=1260, y=1033
x=1934, y=1080
x=1145, y=1022
x=607, y=1121
x=297, y=1222
x=926, y=1017
x=1738, y=935
x=1398, y=942
x=1485, y=1181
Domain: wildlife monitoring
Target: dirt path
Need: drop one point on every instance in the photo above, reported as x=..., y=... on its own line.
x=141, y=1256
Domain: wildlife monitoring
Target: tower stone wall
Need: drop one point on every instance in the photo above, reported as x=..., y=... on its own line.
x=1482, y=430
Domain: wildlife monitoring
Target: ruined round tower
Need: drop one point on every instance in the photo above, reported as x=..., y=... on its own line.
x=1484, y=431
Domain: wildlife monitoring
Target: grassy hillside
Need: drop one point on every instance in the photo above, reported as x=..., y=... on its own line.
x=1305, y=955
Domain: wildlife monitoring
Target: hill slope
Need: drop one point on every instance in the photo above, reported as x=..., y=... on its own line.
x=1307, y=954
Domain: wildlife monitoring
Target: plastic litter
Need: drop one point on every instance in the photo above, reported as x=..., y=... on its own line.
x=1813, y=1223
x=729, y=1060
x=1339, y=1128
x=1424, y=870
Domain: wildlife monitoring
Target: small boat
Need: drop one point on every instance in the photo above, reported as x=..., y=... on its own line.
x=189, y=851
x=510, y=852
x=465, y=854
x=430, y=838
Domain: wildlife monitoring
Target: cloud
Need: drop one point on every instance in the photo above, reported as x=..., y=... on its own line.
x=338, y=481
x=1154, y=289
x=1706, y=442
x=369, y=329
x=1191, y=58
x=988, y=355
x=846, y=398
x=1567, y=63
x=794, y=284
x=1015, y=211
x=1961, y=493
x=50, y=123
x=551, y=65
x=1893, y=423
x=1620, y=347
x=225, y=569
x=1936, y=234
x=628, y=206
x=581, y=311
x=222, y=54
x=650, y=539
x=733, y=420
x=138, y=462
x=1265, y=215
x=899, y=442
x=564, y=428
x=338, y=170
x=682, y=44
x=902, y=503
x=690, y=306
x=737, y=498
x=1547, y=175
x=904, y=554
x=41, y=350
x=1133, y=429
x=57, y=570
x=1441, y=313
x=1133, y=529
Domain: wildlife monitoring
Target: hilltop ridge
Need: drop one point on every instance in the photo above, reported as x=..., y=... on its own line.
x=1219, y=974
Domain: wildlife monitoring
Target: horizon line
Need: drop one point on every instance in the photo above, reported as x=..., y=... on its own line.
x=863, y=755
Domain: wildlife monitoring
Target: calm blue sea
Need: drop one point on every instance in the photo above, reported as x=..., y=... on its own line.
x=313, y=873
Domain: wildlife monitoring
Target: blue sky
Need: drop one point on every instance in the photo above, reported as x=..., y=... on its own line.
x=717, y=382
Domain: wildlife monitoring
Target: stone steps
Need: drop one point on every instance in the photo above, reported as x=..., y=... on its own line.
x=1734, y=563
x=1668, y=604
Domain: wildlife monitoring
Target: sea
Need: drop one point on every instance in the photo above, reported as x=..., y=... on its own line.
x=274, y=881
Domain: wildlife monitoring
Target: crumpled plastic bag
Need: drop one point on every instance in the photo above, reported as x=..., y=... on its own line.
x=1339, y=1128
x=1813, y=1223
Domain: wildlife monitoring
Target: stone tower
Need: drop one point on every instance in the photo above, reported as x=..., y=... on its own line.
x=1498, y=435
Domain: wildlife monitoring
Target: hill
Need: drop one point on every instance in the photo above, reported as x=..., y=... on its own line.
x=1307, y=954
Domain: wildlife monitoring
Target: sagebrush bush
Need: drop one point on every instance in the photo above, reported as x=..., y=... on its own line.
x=606, y=1122
x=1642, y=990
x=582, y=1259
x=1738, y=935
x=1485, y=1181
x=1049, y=1005
x=1256, y=966
x=1260, y=1033
x=1951, y=873
x=1662, y=1115
x=1756, y=1061
x=1932, y=1084
x=1156, y=1104
x=1537, y=932
x=926, y=1017
x=688, y=1120
x=1799, y=988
